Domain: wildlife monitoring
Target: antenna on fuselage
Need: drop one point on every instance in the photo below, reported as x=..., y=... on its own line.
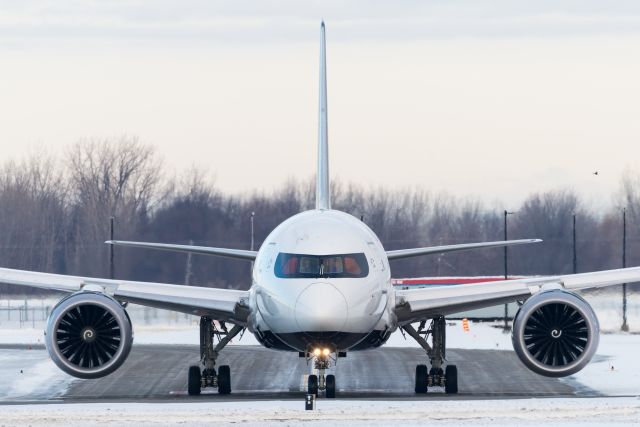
x=323, y=191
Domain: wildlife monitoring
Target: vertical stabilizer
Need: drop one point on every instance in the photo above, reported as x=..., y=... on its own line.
x=323, y=192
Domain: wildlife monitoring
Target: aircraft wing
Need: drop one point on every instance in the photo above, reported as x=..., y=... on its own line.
x=220, y=304
x=423, y=303
x=406, y=253
x=203, y=250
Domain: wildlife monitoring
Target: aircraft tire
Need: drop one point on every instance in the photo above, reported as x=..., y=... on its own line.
x=421, y=379
x=451, y=379
x=312, y=385
x=224, y=379
x=330, y=391
x=195, y=381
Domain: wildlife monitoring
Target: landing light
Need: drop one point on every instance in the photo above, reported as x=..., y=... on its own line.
x=326, y=352
x=316, y=352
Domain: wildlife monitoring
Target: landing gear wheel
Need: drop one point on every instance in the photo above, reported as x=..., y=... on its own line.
x=224, y=379
x=312, y=385
x=451, y=379
x=421, y=379
x=195, y=381
x=330, y=384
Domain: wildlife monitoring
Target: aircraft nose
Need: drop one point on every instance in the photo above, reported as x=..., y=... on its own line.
x=321, y=307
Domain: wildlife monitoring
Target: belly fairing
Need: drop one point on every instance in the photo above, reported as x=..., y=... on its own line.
x=337, y=341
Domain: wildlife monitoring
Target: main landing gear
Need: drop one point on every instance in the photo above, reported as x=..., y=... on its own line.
x=322, y=362
x=208, y=377
x=436, y=376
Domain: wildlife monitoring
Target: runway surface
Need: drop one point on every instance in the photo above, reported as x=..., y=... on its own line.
x=158, y=372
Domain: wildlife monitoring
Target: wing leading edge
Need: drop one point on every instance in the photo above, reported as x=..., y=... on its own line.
x=418, y=304
x=406, y=253
x=221, y=304
x=203, y=250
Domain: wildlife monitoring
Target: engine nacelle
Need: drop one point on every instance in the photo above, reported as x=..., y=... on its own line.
x=89, y=335
x=555, y=333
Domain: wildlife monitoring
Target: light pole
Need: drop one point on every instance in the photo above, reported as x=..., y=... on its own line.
x=575, y=248
x=112, y=268
x=506, y=269
x=253, y=214
x=188, y=271
x=625, y=326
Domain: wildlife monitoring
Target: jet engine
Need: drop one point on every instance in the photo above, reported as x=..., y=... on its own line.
x=555, y=333
x=89, y=335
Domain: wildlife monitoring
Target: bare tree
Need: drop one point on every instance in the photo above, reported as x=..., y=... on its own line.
x=32, y=214
x=547, y=216
x=54, y=216
x=108, y=178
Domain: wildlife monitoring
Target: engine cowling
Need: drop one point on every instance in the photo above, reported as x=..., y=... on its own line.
x=555, y=333
x=89, y=335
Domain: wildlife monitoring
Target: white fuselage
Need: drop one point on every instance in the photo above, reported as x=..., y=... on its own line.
x=298, y=313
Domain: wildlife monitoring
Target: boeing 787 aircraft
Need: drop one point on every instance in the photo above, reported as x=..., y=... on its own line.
x=321, y=286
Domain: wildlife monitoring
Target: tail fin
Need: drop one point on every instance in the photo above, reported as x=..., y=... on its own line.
x=323, y=191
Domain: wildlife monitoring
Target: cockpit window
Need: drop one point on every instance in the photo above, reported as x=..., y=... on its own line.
x=296, y=266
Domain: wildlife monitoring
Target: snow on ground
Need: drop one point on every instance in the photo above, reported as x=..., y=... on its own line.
x=481, y=336
x=30, y=374
x=22, y=336
x=614, y=370
x=477, y=413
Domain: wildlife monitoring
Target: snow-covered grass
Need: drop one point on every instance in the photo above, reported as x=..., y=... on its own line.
x=477, y=413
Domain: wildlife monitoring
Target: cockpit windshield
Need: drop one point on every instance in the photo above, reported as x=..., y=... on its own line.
x=296, y=266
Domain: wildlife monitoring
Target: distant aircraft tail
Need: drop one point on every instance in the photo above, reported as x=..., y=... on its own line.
x=323, y=191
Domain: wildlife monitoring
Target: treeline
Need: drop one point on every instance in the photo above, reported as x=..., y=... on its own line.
x=55, y=211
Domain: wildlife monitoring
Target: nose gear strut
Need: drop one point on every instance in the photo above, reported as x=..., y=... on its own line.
x=321, y=363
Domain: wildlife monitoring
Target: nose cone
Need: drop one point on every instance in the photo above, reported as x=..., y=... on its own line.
x=321, y=307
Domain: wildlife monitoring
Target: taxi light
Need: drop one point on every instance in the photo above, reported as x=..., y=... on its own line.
x=326, y=352
x=316, y=352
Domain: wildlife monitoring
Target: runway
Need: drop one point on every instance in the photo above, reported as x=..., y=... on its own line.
x=160, y=372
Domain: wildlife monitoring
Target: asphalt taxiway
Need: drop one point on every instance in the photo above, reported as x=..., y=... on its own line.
x=160, y=372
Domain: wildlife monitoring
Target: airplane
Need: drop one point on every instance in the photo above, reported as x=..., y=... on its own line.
x=321, y=286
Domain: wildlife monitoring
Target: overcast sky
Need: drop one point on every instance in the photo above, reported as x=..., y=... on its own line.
x=495, y=99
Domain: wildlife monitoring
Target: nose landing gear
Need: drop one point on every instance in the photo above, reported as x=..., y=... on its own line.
x=436, y=376
x=320, y=382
